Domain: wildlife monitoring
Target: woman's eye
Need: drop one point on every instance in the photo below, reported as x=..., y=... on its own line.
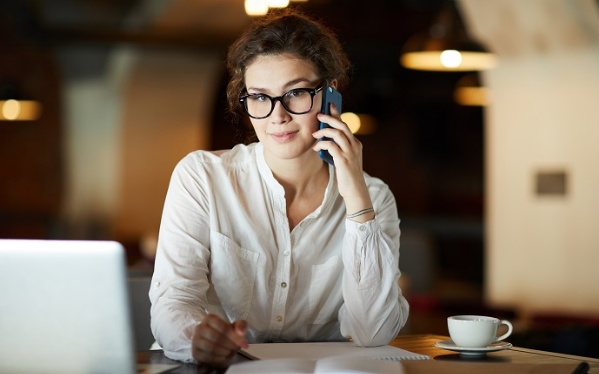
x=258, y=97
x=296, y=93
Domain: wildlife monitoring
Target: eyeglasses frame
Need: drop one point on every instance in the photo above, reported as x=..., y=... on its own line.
x=273, y=100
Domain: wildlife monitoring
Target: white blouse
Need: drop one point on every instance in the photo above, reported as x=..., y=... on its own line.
x=225, y=247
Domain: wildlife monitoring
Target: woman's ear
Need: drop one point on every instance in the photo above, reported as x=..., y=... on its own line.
x=333, y=83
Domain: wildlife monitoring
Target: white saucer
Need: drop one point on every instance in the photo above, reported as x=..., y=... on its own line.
x=451, y=346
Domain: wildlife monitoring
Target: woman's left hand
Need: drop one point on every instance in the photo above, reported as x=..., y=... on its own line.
x=346, y=151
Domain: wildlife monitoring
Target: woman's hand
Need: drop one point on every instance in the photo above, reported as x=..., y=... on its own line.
x=216, y=341
x=346, y=151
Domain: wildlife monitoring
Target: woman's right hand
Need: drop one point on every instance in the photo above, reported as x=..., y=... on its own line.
x=216, y=341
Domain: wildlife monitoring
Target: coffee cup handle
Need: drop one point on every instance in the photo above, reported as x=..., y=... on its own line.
x=509, y=330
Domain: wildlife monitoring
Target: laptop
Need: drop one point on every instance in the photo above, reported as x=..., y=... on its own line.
x=64, y=307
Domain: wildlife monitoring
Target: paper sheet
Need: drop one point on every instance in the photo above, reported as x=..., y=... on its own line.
x=328, y=349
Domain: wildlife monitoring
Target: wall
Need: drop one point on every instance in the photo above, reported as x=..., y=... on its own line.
x=541, y=250
x=131, y=114
x=169, y=98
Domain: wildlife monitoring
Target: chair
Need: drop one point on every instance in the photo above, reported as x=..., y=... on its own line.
x=139, y=287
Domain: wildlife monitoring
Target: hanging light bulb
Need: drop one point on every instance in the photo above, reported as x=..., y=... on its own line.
x=256, y=7
x=277, y=3
x=446, y=47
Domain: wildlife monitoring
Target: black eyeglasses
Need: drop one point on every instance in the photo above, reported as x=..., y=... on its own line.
x=296, y=101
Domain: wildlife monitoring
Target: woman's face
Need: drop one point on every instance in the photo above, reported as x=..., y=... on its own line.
x=284, y=135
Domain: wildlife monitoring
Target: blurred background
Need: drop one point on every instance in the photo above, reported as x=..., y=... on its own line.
x=498, y=197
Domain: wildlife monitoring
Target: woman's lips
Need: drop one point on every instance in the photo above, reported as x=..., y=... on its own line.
x=284, y=136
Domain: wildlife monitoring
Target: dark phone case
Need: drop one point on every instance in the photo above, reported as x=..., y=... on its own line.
x=329, y=95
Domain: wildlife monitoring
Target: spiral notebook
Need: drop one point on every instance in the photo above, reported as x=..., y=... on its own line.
x=329, y=357
x=315, y=351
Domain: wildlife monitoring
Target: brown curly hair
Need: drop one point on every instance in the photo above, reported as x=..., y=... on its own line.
x=286, y=31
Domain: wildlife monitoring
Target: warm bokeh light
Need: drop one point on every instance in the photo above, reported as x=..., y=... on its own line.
x=277, y=3
x=359, y=123
x=261, y=7
x=24, y=110
x=256, y=7
x=451, y=58
x=472, y=96
x=352, y=121
x=11, y=109
x=446, y=60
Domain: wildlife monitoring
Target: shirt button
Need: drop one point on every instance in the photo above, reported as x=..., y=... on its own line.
x=283, y=284
x=279, y=319
x=286, y=253
x=362, y=228
x=157, y=284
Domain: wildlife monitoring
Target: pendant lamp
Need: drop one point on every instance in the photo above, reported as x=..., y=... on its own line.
x=446, y=46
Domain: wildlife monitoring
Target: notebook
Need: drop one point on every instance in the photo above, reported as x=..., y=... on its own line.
x=64, y=308
x=323, y=357
x=318, y=350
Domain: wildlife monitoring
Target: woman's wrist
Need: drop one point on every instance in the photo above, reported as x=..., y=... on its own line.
x=359, y=213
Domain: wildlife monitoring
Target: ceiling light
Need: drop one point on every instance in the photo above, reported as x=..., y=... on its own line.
x=446, y=47
x=256, y=7
x=277, y=3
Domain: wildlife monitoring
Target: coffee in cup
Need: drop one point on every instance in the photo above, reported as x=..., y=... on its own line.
x=471, y=331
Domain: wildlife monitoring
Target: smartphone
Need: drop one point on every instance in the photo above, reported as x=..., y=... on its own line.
x=329, y=95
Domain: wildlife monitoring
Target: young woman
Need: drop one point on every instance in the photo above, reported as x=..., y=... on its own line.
x=266, y=242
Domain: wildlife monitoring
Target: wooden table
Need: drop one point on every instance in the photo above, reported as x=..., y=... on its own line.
x=425, y=344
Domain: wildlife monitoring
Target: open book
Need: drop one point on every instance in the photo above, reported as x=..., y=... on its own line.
x=325, y=357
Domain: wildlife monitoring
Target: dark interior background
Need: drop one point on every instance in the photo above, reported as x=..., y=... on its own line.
x=429, y=149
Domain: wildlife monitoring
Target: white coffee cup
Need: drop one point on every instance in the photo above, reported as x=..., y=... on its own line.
x=471, y=331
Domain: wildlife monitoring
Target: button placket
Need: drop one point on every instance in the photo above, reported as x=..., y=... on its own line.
x=283, y=267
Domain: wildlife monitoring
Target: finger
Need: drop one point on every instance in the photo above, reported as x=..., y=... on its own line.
x=218, y=332
x=335, y=125
x=217, y=336
x=206, y=351
x=334, y=110
x=332, y=120
x=240, y=328
x=207, y=338
x=233, y=334
x=335, y=139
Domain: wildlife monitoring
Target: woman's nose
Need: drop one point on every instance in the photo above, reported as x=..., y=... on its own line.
x=279, y=113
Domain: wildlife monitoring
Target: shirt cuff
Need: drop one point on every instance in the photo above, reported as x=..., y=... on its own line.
x=361, y=229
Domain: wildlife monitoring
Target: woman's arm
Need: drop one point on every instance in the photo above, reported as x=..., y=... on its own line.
x=180, y=282
x=374, y=308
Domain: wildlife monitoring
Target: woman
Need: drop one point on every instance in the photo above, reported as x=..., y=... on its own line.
x=266, y=242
